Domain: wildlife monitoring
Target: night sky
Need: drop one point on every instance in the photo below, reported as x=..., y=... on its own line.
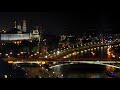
x=72, y=22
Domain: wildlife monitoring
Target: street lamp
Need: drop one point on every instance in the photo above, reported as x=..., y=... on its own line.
x=18, y=55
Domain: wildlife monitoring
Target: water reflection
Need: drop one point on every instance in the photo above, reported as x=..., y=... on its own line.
x=82, y=70
x=98, y=52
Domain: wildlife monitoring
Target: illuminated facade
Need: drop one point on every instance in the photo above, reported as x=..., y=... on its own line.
x=15, y=37
x=35, y=34
x=65, y=40
x=20, y=33
x=24, y=28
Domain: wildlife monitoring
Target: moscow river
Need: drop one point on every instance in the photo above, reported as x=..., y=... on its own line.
x=84, y=70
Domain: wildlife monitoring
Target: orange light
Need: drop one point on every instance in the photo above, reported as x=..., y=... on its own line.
x=10, y=61
x=30, y=41
x=42, y=62
x=110, y=68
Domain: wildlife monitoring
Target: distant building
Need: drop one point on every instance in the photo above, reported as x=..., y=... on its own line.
x=20, y=33
x=15, y=34
x=66, y=40
x=35, y=34
x=24, y=28
x=19, y=27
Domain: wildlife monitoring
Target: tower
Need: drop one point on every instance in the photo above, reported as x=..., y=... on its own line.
x=36, y=32
x=19, y=26
x=15, y=25
x=24, y=26
x=41, y=43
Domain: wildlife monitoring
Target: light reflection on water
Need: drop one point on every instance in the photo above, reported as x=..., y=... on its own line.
x=80, y=70
x=98, y=52
x=87, y=71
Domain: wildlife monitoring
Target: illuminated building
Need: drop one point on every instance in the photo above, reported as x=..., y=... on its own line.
x=24, y=28
x=34, y=35
x=15, y=25
x=66, y=40
x=15, y=34
x=19, y=27
x=19, y=33
x=42, y=48
x=20, y=36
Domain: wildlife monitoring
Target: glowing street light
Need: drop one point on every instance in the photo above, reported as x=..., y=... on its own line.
x=6, y=54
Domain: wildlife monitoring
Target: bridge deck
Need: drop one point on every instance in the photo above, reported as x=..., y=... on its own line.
x=83, y=60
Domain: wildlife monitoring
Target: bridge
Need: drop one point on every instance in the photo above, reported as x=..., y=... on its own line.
x=46, y=60
x=66, y=55
x=71, y=52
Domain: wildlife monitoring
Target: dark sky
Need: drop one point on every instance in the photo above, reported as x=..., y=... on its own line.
x=56, y=22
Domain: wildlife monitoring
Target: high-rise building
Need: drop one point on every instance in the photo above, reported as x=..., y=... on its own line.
x=24, y=28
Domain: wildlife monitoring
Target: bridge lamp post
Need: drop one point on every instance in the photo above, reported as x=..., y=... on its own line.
x=31, y=55
x=58, y=52
x=46, y=56
x=37, y=52
x=18, y=55
x=6, y=55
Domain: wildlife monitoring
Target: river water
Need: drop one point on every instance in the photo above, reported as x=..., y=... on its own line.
x=84, y=70
x=73, y=70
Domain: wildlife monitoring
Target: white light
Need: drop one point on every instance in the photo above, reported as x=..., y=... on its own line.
x=53, y=72
x=58, y=52
x=6, y=54
x=81, y=51
x=64, y=57
x=21, y=52
x=46, y=56
x=10, y=52
x=18, y=54
x=35, y=54
x=113, y=56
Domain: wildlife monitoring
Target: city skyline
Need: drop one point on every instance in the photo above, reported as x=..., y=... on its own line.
x=56, y=22
x=73, y=44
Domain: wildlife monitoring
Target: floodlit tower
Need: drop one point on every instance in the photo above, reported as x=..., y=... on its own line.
x=41, y=44
x=15, y=24
x=24, y=26
x=19, y=27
